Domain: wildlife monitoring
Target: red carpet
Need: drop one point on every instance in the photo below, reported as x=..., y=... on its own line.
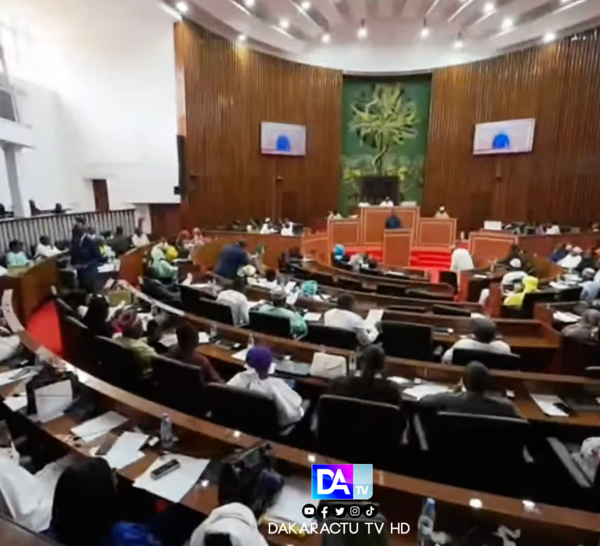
x=44, y=328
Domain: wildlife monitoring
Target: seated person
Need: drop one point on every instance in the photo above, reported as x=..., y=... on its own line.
x=514, y=276
x=572, y=259
x=132, y=331
x=105, y=249
x=120, y=243
x=139, y=238
x=270, y=280
x=586, y=330
x=184, y=241
x=155, y=289
x=371, y=384
x=237, y=300
x=15, y=256
x=346, y=318
x=590, y=288
x=160, y=264
x=461, y=260
x=288, y=229
x=515, y=299
x=554, y=229
x=186, y=351
x=232, y=258
x=256, y=378
x=475, y=400
x=197, y=238
x=441, y=213
x=357, y=260
x=515, y=251
x=588, y=259
x=96, y=317
x=267, y=227
x=45, y=248
x=483, y=339
x=339, y=252
x=393, y=222
x=154, y=334
x=278, y=308
x=387, y=202
x=560, y=251
x=334, y=215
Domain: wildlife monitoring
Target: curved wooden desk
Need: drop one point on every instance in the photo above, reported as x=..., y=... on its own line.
x=400, y=497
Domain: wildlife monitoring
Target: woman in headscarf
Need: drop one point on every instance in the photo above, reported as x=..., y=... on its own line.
x=85, y=509
x=530, y=284
x=338, y=252
x=256, y=378
x=184, y=241
x=586, y=329
x=160, y=264
x=96, y=317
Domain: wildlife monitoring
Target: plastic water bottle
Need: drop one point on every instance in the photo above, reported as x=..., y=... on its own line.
x=166, y=432
x=426, y=523
x=352, y=363
x=213, y=330
x=250, y=341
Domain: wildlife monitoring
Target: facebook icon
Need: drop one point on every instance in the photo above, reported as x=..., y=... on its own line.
x=342, y=481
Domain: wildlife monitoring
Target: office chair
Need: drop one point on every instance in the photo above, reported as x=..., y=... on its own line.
x=529, y=301
x=64, y=309
x=450, y=310
x=449, y=277
x=479, y=452
x=322, y=278
x=406, y=340
x=270, y=324
x=242, y=409
x=407, y=309
x=569, y=294
x=494, y=361
x=349, y=284
x=119, y=366
x=77, y=342
x=189, y=299
x=212, y=310
x=391, y=290
x=423, y=294
x=357, y=430
x=179, y=386
x=319, y=334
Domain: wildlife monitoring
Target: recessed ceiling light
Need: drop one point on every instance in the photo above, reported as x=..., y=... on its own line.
x=424, y=32
x=325, y=38
x=249, y=3
x=362, y=31
x=284, y=24
x=182, y=7
x=507, y=23
x=549, y=37
x=242, y=38
x=489, y=7
x=305, y=5
x=458, y=43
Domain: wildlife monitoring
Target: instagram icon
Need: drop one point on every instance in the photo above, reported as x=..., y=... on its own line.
x=342, y=481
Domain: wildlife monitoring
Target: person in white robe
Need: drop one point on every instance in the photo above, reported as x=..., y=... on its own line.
x=345, y=317
x=235, y=298
x=572, y=259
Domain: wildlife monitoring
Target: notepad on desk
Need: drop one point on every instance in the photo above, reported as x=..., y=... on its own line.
x=374, y=316
x=547, y=403
x=397, y=380
x=313, y=317
x=125, y=450
x=94, y=428
x=51, y=401
x=287, y=506
x=564, y=316
x=420, y=391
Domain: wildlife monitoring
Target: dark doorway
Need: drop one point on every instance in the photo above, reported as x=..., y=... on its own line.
x=100, y=195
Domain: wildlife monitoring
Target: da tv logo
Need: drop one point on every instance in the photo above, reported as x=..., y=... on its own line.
x=342, y=481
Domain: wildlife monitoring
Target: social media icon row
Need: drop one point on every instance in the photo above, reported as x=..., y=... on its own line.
x=326, y=510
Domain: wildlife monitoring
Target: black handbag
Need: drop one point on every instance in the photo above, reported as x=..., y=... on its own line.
x=248, y=477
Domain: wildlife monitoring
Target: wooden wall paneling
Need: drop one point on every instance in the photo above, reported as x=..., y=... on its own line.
x=556, y=84
x=543, y=245
x=316, y=246
x=409, y=216
x=372, y=220
x=488, y=246
x=166, y=220
x=436, y=233
x=396, y=247
x=344, y=232
x=229, y=90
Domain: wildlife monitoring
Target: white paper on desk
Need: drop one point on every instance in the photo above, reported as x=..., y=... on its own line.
x=52, y=400
x=203, y=338
x=252, y=281
x=125, y=450
x=546, y=402
x=15, y=403
x=94, y=428
x=177, y=484
x=563, y=316
x=6, y=378
x=241, y=355
x=296, y=492
x=421, y=391
x=289, y=286
x=201, y=285
x=312, y=317
x=188, y=280
x=398, y=380
x=292, y=298
x=169, y=339
x=374, y=316
x=478, y=315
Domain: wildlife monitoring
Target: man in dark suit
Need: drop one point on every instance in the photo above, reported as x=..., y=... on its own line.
x=393, y=222
x=370, y=385
x=475, y=400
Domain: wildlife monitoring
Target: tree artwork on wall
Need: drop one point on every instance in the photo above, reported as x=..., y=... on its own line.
x=385, y=125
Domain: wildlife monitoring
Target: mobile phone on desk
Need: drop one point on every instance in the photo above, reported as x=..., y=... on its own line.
x=164, y=469
x=564, y=407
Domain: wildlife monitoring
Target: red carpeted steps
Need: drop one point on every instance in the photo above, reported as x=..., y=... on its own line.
x=435, y=259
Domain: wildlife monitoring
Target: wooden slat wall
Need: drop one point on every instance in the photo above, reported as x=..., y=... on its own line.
x=229, y=91
x=559, y=85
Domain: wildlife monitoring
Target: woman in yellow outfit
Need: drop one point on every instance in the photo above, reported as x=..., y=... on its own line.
x=530, y=284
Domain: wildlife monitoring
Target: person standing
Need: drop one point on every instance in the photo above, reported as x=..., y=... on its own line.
x=393, y=222
x=232, y=258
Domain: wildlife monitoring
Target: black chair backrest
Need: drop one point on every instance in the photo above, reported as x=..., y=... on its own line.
x=218, y=312
x=249, y=411
x=450, y=310
x=532, y=298
x=118, y=365
x=494, y=361
x=391, y=290
x=449, y=277
x=427, y=295
x=77, y=341
x=179, y=386
x=189, y=299
x=407, y=309
x=570, y=294
x=318, y=334
x=406, y=340
x=375, y=429
x=64, y=308
x=270, y=324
